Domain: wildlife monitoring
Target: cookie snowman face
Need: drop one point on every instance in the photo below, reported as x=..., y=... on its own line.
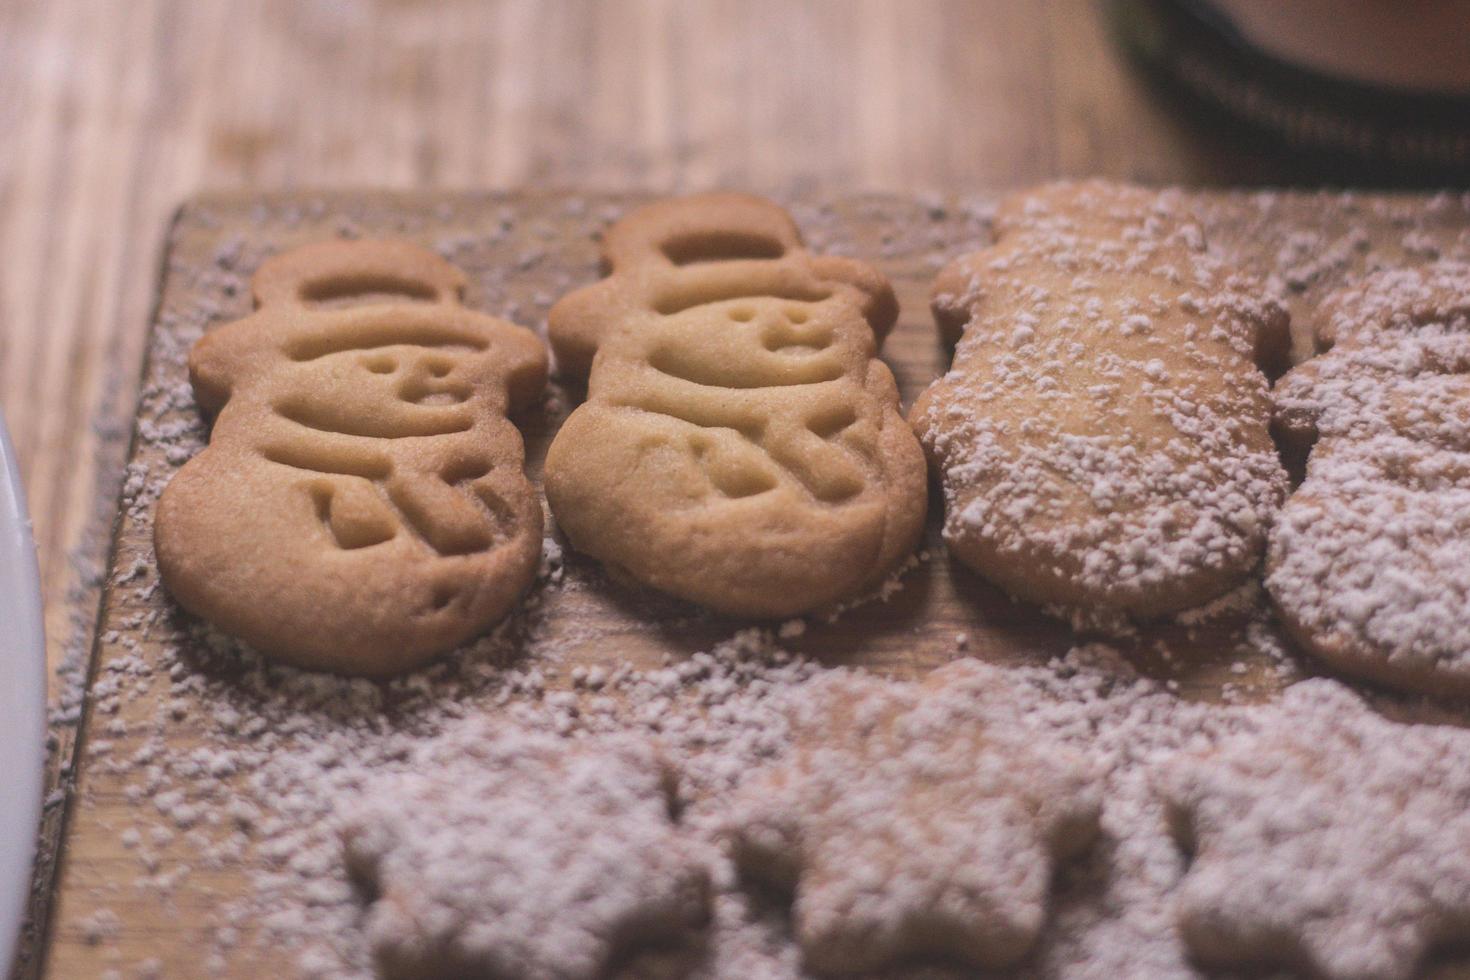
x=361, y=506
x=740, y=444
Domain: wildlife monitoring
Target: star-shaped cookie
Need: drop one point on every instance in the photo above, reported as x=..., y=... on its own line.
x=914, y=819
x=1329, y=838
x=522, y=855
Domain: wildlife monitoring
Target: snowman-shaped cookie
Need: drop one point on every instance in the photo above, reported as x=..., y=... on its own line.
x=361, y=506
x=740, y=445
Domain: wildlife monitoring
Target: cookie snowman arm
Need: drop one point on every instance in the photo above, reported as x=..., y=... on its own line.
x=576, y=326
x=523, y=360
x=221, y=360
x=1294, y=413
x=953, y=297
x=878, y=303
x=765, y=833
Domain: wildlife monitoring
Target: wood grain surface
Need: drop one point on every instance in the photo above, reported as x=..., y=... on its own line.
x=128, y=908
x=113, y=113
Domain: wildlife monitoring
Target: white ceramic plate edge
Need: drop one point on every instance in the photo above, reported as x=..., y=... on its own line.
x=22, y=702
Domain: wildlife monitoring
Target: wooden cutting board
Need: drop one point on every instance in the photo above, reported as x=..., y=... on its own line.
x=151, y=908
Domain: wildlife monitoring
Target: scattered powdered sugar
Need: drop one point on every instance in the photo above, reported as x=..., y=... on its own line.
x=101, y=925
x=308, y=751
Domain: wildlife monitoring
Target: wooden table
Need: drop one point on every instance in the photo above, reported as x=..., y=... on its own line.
x=113, y=113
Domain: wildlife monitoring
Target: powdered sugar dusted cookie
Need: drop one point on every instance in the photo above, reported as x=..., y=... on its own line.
x=740, y=445
x=1369, y=564
x=1103, y=435
x=361, y=506
x=523, y=856
x=1329, y=838
x=1401, y=297
x=915, y=819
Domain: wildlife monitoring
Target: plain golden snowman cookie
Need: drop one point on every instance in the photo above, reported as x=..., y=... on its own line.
x=740, y=445
x=361, y=505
